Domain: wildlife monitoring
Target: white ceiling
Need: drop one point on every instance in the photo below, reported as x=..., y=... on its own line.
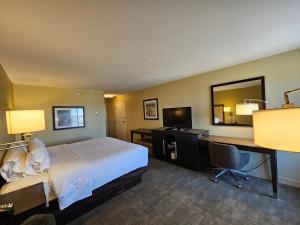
x=124, y=45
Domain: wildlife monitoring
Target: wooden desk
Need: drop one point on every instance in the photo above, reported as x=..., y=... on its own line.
x=141, y=131
x=248, y=145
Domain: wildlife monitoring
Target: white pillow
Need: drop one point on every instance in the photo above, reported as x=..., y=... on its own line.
x=13, y=166
x=37, y=159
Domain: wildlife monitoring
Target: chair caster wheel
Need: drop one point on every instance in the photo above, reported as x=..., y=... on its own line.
x=247, y=178
x=214, y=180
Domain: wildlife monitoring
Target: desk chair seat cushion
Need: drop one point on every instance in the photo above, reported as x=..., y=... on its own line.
x=227, y=156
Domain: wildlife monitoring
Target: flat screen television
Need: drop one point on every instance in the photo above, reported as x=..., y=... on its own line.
x=178, y=117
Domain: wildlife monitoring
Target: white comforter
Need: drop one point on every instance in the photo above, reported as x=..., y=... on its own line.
x=77, y=169
x=70, y=176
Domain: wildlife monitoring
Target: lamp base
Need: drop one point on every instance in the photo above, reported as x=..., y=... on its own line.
x=27, y=137
x=289, y=105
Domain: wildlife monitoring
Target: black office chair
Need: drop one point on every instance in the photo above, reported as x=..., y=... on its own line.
x=228, y=159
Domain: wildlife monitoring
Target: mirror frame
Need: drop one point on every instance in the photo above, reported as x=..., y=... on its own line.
x=261, y=78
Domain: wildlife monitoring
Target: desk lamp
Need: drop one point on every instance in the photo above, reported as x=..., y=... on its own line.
x=248, y=106
x=278, y=128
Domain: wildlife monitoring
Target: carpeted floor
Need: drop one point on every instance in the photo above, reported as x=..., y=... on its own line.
x=173, y=195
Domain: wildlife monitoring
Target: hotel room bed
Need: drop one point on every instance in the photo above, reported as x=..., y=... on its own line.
x=78, y=171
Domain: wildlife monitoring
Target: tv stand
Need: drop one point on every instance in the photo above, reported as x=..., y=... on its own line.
x=180, y=147
x=178, y=129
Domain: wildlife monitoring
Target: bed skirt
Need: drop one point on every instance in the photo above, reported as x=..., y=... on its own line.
x=100, y=195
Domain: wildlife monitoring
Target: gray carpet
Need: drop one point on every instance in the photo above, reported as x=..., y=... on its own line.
x=173, y=195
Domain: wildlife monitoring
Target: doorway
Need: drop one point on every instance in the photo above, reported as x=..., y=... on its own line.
x=116, y=120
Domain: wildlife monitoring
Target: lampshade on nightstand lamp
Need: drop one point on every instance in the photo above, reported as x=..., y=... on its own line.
x=25, y=121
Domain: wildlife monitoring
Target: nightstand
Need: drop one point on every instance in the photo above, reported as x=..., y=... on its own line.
x=6, y=213
x=23, y=200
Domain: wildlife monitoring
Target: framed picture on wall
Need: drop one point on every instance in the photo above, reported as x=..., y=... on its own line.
x=151, y=109
x=68, y=117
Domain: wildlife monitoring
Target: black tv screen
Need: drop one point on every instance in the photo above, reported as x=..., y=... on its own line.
x=178, y=117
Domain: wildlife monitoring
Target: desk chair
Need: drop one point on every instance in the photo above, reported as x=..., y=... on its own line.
x=228, y=159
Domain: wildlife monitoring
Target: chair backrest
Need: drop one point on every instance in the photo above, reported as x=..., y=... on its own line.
x=224, y=156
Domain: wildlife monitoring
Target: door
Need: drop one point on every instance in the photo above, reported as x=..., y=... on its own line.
x=121, y=122
x=110, y=118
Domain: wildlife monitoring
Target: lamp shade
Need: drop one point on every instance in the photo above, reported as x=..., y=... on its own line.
x=277, y=129
x=246, y=108
x=25, y=121
x=227, y=109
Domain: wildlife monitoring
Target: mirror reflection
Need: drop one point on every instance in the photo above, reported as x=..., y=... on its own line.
x=231, y=101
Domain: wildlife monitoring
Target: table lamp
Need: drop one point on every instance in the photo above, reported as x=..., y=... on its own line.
x=24, y=122
x=278, y=128
x=248, y=107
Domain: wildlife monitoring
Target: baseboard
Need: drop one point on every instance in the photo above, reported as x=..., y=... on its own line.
x=289, y=182
x=281, y=180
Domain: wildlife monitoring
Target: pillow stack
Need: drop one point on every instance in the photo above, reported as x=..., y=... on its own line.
x=18, y=162
x=37, y=159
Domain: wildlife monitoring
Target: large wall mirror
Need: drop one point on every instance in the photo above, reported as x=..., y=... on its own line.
x=225, y=98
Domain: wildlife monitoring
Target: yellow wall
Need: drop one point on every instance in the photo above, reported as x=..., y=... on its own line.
x=282, y=72
x=31, y=97
x=6, y=91
x=6, y=102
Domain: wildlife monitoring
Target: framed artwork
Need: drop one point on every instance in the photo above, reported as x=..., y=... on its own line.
x=151, y=109
x=68, y=117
